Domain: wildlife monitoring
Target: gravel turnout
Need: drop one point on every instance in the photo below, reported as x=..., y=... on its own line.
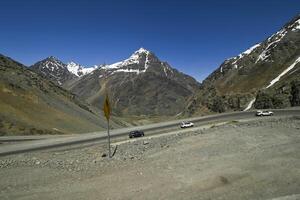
x=257, y=159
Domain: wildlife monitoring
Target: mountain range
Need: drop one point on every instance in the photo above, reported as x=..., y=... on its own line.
x=138, y=85
x=58, y=72
x=142, y=86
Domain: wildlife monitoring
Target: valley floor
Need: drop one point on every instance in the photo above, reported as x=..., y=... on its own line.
x=238, y=160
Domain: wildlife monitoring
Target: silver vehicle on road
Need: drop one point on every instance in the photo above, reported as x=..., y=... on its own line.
x=261, y=113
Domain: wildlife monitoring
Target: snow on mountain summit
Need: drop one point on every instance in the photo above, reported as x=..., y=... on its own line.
x=53, y=69
x=79, y=70
x=141, y=50
x=74, y=68
x=138, y=57
x=52, y=63
x=247, y=52
x=138, y=62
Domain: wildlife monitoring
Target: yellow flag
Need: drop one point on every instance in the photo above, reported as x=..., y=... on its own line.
x=106, y=108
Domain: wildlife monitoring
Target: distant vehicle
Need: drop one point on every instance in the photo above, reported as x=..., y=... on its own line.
x=186, y=124
x=133, y=134
x=261, y=113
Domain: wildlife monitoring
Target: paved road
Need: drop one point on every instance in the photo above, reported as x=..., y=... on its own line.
x=152, y=129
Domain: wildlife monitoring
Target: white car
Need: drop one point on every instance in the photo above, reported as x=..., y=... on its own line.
x=186, y=124
x=261, y=113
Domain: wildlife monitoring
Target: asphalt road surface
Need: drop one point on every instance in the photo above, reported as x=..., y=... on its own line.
x=30, y=143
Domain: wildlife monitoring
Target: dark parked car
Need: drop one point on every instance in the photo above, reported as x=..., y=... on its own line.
x=133, y=134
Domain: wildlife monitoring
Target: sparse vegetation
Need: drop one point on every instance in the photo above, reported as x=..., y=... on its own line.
x=295, y=93
x=263, y=101
x=233, y=122
x=218, y=105
x=285, y=94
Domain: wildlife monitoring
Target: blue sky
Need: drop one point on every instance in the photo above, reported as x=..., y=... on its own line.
x=193, y=36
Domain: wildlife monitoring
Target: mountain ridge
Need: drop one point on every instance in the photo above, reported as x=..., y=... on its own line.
x=237, y=81
x=58, y=72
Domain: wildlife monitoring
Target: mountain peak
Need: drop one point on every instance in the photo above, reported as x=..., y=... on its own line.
x=79, y=70
x=53, y=61
x=51, y=58
x=73, y=63
x=53, y=69
x=142, y=50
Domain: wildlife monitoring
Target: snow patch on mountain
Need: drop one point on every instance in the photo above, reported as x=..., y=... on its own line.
x=247, y=52
x=79, y=70
x=147, y=59
x=135, y=58
x=88, y=70
x=250, y=104
x=137, y=71
x=295, y=26
x=284, y=72
x=273, y=41
x=74, y=68
x=167, y=70
x=53, y=64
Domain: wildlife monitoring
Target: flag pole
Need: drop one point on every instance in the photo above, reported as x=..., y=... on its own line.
x=106, y=110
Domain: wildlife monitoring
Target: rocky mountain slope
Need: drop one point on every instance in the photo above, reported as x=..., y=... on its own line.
x=53, y=69
x=265, y=66
x=139, y=85
x=30, y=104
x=284, y=93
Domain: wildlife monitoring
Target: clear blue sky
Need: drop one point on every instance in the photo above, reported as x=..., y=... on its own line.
x=193, y=36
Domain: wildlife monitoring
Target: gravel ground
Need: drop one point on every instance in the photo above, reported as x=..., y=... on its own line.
x=238, y=160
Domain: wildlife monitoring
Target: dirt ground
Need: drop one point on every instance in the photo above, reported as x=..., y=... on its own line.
x=238, y=160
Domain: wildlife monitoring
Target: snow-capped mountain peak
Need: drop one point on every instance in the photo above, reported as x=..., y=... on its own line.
x=141, y=56
x=141, y=51
x=53, y=64
x=139, y=62
x=138, y=54
x=74, y=68
x=53, y=69
x=79, y=70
